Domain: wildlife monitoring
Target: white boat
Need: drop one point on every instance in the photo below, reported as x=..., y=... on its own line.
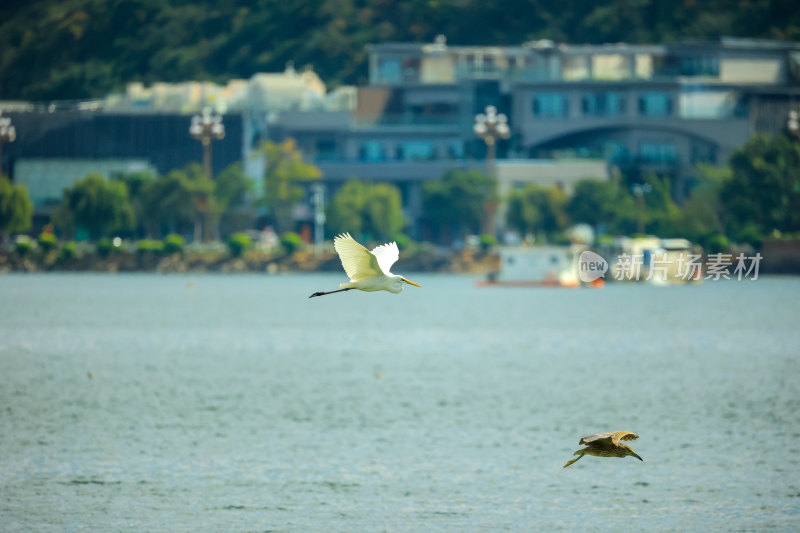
x=536, y=266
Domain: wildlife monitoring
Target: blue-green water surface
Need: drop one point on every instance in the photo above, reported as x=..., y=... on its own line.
x=235, y=403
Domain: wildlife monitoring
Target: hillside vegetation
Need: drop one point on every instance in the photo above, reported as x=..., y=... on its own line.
x=85, y=48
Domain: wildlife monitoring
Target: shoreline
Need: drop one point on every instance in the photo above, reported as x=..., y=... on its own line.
x=433, y=260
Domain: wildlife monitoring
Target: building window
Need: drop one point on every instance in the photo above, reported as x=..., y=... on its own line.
x=700, y=65
x=372, y=151
x=455, y=150
x=326, y=150
x=655, y=104
x=603, y=104
x=389, y=71
x=418, y=151
x=550, y=105
x=658, y=152
x=703, y=152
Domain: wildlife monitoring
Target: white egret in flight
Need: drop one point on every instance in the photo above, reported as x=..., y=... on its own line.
x=368, y=271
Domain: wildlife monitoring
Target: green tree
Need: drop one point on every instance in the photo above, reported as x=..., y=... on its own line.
x=662, y=214
x=384, y=212
x=456, y=201
x=764, y=189
x=702, y=215
x=100, y=206
x=538, y=209
x=345, y=211
x=137, y=183
x=230, y=191
x=230, y=186
x=285, y=171
x=178, y=201
x=16, y=209
x=600, y=203
x=366, y=209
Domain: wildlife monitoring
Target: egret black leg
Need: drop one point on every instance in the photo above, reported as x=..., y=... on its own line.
x=330, y=292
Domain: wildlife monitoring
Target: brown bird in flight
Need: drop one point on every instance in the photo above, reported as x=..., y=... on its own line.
x=606, y=445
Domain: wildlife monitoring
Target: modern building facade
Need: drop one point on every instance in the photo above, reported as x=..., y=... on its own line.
x=573, y=111
x=643, y=108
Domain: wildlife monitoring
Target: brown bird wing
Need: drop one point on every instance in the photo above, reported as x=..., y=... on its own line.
x=625, y=435
x=596, y=437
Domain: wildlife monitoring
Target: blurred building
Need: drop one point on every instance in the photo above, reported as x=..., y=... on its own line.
x=574, y=111
x=279, y=91
x=648, y=108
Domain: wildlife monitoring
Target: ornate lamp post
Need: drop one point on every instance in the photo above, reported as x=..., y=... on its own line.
x=491, y=126
x=639, y=190
x=7, y=135
x=793, y=122
x=206, y=127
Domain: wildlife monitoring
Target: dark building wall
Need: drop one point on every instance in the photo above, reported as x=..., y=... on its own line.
x=162, y=139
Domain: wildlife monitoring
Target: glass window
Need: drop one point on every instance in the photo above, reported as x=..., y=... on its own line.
x=700, y=65
x=455, y=150
x=611, y=67
x=576, y=68
x=707, y=104
x=658, y=152
x=418, y=150
x=389, y=71
x=603, y=104
x=552, y=105
x=655, y=104
x=372, y=151
x=326, y=150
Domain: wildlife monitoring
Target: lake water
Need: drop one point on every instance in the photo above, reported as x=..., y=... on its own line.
x=235, y=403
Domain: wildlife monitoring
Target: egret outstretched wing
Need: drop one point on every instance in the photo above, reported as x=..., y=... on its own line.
x=357, y=261
x=387, y=255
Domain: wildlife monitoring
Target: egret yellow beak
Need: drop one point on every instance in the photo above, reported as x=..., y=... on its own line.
x=411, y=282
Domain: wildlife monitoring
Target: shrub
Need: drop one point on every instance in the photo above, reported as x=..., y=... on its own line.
x=291, y=242
x=68, y=251
x=173, y=244
x=238, y=243
x=718, y=243
x=486, y=241
x=751, y=235
x=105, y=246
x=24, y=244
x=47, y=242
x=149, y=246
x=402, y=240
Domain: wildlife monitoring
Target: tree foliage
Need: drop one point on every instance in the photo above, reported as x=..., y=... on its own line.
x=538, y=209
x=98, y=205
x=16, y=208
x=85, y=48
x=456, y=201
x=764, y=188
x=177, y=201
x=601, y=204
x=284, y=172
x=372, y=210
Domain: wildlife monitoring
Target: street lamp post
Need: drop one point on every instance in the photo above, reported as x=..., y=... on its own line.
x=793, y=122
x=318, y=199
x=491, y=126
x=7, y=135
x=639, y=190
x=206, y=127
